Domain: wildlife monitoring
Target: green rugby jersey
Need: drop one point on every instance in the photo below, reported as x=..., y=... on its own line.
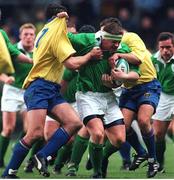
x=165, y=72
x=71, y=77
x=21, y=69
x=90, y=75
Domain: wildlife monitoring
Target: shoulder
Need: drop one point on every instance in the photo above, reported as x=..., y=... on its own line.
x=130, y=36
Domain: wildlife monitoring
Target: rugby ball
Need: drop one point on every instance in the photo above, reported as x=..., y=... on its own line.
x=122, y=65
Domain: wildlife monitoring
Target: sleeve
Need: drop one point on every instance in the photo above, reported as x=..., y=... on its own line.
x=12, y=49
x=61, y=46
x=136, y=45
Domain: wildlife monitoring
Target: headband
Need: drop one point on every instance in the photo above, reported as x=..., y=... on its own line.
x=115, y=37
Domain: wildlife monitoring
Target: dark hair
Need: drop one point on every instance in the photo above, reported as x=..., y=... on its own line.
x=113, y=28
x=165, y=36
x=110, y=20
x=54, y=8
x=87, y=29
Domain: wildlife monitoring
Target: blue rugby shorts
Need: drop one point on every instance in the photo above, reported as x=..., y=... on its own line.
x=43, y=94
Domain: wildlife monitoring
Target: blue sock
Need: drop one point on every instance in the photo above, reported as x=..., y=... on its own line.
x=125, y=152
x=58, y=139
x=20, y=151
x=149, y=140
x=133, y=140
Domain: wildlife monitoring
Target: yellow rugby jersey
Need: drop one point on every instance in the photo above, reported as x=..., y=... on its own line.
x=139, y=49
x=6, y=65
x=52, y=47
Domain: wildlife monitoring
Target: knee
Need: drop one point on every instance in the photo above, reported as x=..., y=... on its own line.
x=144, y=125
x=97, y=137
x=7, y=131
x=33, y=135
x=118, y=141
x=73, y=127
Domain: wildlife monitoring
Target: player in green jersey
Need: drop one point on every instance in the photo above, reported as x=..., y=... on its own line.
x=163, y=61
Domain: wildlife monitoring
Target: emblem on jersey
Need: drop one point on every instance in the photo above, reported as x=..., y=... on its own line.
x=147, y=95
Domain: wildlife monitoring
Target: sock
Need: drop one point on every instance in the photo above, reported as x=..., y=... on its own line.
x=96, y=156
x=160, y=149
x=79, y=147
x=125, y=152
x=63, y=155
x=108, y=150
x=58, y=139
x=149, y=140
x=36, y=147
x=4, y=142
x=133, y=140
x=20, y=151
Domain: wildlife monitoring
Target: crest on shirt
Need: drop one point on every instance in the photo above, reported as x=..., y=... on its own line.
x=147, y=95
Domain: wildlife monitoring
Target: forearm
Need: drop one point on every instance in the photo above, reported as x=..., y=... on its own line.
x=76, y=62
x=23, y=58
x=131, y=76
x=131, y=58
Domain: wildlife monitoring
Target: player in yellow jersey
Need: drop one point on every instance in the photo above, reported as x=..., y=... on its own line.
x=139, y=99
x=52, y=51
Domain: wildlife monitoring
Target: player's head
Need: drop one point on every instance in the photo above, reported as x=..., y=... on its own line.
x=54, y=8
x=165, y=43
x=27, y=35
x=87, y=29
x=111, y=35
x=71, y=26
x=108, y=21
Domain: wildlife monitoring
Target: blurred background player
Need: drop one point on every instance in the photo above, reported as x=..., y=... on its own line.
x=12, y=96
x=163, y=61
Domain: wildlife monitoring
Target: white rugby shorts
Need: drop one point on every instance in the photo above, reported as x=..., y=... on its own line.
x=12, y=99
x=94, y=103
x=165, y=108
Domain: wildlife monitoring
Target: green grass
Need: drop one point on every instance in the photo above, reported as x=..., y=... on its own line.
x=114, y=171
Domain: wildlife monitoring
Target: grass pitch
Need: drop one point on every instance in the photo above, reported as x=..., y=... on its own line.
x=114, y=171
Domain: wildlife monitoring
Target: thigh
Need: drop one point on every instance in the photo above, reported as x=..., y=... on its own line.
x=128, y=117
x=65, y=114
x=9, y=119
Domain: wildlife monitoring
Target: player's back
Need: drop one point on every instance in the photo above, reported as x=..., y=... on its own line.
x=52, y=47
